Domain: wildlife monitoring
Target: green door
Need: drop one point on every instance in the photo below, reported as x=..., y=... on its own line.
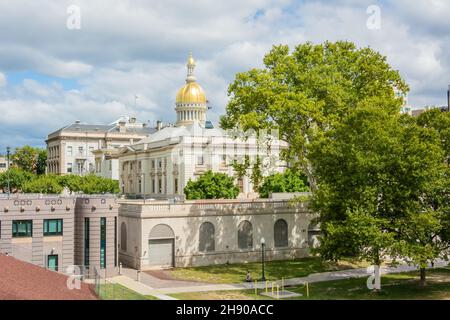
x=52, y=262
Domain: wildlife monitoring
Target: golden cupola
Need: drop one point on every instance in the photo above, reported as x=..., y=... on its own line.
x=191, y=100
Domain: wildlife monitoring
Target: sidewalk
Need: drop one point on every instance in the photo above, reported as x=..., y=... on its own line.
x=316, y=277
x=128, y=279
x=139, y=287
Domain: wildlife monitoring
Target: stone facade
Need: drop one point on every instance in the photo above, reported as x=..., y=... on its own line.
x=67, y=247
x=139, y=223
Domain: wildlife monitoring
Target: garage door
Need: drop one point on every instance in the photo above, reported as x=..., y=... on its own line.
x=160, y=252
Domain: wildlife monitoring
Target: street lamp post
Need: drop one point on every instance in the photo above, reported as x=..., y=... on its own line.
x=8, y=150
x=263, y=246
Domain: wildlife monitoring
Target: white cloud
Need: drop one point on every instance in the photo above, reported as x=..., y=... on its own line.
x=2, y=80
x=140, y=47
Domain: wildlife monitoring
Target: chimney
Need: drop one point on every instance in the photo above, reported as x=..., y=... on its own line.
x=158, y=125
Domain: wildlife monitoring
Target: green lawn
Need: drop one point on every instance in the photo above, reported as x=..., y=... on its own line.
x=274, y=270
x=393, y=286
x=114, y=291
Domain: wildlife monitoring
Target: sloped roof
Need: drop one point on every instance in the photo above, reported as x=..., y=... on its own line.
x=21, y=280
x=79, y=127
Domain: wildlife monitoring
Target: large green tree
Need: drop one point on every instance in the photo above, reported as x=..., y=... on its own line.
x=43, y=184
x=30, y=159
x=14, y=178
x=308, y=91
x=288, y=181
x=439, y=121
x=376, y=174
x=211, y=185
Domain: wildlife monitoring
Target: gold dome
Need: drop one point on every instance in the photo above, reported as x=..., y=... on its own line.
x=191, y=92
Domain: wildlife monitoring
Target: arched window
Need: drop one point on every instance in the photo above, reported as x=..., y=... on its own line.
x=280, y=233
x=123, y=236
x=206, y=237
x=161, y=231
x=245, y=235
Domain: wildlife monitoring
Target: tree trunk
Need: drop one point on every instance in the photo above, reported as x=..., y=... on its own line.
x=422, y=282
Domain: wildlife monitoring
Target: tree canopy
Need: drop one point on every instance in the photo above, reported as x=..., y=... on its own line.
x=288, y=181
x=23, y=181
x=380, y=180
x=377, y=175
x=30, y=159
x=211, y=185
x=307, y=91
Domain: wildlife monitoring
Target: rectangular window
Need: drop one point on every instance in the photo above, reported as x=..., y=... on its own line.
x=153, y=164
x=2, y=165
x=22, y=228
x=102, y=243
x=53, y=227
x=175, y=184
x=80, y=150
x=199, y=160
x=115, y=241
x=241, y=185
x=86, y=241
x=52, y=262
x=159, y=186
x=69, y=167
x=224, y=160
x=153, y=186
x=69, y=150
x=159, y=164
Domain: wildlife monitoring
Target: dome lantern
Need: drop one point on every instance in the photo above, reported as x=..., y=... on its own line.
x=190, y=99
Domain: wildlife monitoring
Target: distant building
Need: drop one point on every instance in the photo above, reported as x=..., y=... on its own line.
x=70, y=149
x=418, y=112
x=415, y=112
x=107, y=163
x=56, y=232
x=4, y=164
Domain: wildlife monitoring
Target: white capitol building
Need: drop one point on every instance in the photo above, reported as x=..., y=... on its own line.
x=162, y=233
x=160, y=165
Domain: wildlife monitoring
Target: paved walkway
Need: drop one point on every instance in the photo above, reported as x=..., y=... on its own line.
x=157, y=283
x=139, y=287
x=150, y=285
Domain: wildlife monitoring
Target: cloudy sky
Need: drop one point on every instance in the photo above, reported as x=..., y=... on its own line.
x=51, y=75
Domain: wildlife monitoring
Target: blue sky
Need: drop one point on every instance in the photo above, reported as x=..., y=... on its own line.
x=51, y=76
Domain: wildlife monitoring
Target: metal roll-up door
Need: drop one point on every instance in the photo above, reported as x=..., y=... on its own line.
x=161, y=244
x=160, y=252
